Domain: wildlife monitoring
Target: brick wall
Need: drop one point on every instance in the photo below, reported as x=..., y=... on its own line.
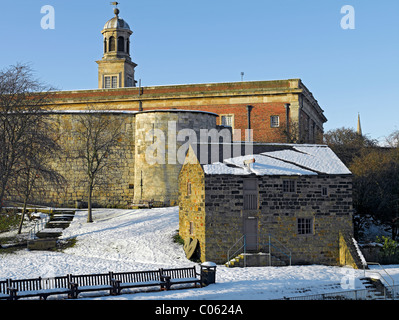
x=267, y=97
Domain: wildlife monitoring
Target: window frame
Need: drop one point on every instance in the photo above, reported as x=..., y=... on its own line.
x=305, y=226
x=250, y=195
x=273, y=123
x=105, y=82
x=114, y=82
x=229, y=115
x=192, y=228
x=291, y=187
x=189, y=190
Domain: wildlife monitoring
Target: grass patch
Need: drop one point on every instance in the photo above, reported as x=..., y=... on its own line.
x=9, y=220
x=65, y=244
x=177, y=239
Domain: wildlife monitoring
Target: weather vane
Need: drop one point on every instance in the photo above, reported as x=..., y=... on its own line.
x=116, y=10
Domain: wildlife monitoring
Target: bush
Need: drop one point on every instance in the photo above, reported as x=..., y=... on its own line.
x=390, y=250
x=8, y=221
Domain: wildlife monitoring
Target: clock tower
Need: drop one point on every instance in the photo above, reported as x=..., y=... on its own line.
x=116, y=69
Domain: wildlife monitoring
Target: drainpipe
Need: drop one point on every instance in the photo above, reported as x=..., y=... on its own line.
x=140, y=93
x=249, y=108
x=287, y=120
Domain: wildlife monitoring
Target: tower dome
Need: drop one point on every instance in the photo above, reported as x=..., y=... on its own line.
x=116, y=23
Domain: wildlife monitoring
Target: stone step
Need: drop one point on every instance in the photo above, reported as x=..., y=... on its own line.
x=58, y=224
x=49, y=233
x=258, y=259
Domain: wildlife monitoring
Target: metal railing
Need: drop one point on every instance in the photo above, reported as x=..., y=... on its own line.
x=359, y=294
x=380, y=277
x=38, y=226
x=267, y=246
x=237, y=248
x=286, y=253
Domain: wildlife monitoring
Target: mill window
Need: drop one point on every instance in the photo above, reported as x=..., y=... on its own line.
x=289, y=186
x=250, y=194
x=191, y=228
x=189, y=188
x=305, y=226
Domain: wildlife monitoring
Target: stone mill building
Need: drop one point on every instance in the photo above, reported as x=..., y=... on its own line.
x=290, y=204
x=276, y=111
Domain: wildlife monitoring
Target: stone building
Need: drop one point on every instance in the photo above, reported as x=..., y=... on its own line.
x=292, y=201
x=276, y=111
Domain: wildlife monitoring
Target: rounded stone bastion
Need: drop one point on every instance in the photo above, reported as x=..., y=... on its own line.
x=162, y=138
x=143, y=165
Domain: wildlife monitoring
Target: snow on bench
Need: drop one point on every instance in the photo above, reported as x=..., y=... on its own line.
x=136, y=279
x=180, y=276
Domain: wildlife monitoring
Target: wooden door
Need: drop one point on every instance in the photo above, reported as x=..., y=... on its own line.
x=251, y=233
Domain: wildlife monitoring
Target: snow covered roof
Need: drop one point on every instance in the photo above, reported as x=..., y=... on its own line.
x=293, y=160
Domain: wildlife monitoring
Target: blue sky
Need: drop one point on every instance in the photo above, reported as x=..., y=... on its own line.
x=179, y=42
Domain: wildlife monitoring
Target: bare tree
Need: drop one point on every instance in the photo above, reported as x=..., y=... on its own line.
x=34, y=170
x=98, y=134
x=21, y=110
x=347, y=143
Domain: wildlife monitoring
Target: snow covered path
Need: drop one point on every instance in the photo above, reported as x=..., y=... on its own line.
x=129, y=240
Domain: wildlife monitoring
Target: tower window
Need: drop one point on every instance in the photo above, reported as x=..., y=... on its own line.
x=121, y=44
x=129, y=82
x=114, y=82
x=111, y=44
x=111, y=82
x=107, y=82
x=105, y=45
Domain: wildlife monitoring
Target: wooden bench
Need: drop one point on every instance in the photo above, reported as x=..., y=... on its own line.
x=41, y=287
x=136, y=279
x=143, y=204
x=90, y=282
x=5, y=291
x=180, y=276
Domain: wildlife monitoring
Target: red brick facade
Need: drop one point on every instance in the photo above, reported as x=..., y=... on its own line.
x=268, y=98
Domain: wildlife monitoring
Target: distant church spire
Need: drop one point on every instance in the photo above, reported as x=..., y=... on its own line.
x=359, y=127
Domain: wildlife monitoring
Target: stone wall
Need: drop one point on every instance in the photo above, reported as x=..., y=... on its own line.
x=115, y=190
x=278, y=214
x=131, y=178
x=158, y=164
x=192, y=202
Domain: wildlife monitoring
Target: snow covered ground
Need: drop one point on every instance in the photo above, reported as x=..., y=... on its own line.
x=130, y=240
